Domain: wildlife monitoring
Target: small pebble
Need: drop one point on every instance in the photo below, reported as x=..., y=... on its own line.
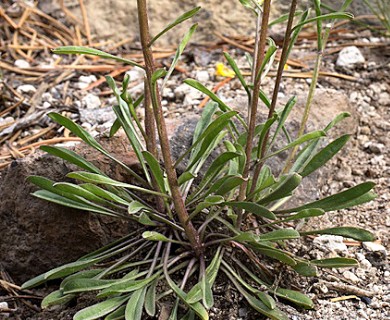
x=26, y=88
x=349, y=56
x=374, y=247
x=350, y=276
x=91, y=101
x=21, y=64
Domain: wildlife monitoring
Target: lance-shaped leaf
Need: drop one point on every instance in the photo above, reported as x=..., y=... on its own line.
x=71, y=157
x=100, y=309
x=324, y=155
x=88, y=139
x=207, y=136
x=253, y=208
x=105, y=194
x=295, y=297
x=351, y=197
x=238, y=73
x=179, y=52
x=99, y=179
x=305, y=269
x=329, y=16
x=337, y=262
x=283, y=189
x=94, y=52
x=185, y=16
x=281, y=234
x=347, y=232
x=274, y=253
x=150, y=299
x=56, y=298
x=118, y=314
x=127, y=286
x=86, y=284
x=156, y=170
x=135, y=304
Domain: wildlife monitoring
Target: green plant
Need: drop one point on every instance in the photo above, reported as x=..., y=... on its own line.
x=381, y=9
x=186, y=228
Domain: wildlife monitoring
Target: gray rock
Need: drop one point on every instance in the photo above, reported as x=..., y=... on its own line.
x=97, y=116
x=91, y=101
x=349, y=56
x=36, y=235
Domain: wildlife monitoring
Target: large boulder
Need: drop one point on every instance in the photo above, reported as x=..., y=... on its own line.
x=37, y=235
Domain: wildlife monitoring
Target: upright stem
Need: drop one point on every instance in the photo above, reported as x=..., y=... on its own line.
x=282, y=62
x=255, y=100
x=178, y=202
x=310, y=96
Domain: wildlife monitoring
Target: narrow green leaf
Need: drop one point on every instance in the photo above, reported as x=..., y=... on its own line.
x=257, y=304
x=118, y=314
x=295, y=297
x=229, y=185
x=64, y=201
x=145, y=220
x=328, y=16
x=185, y=16
x=179, y=52
x=184, y=177
x=337, y=262
x=86, y=284
x=99, y=179
x=127, y=286
x=254, y=208
x=56, y=298
x=325, y=155
x=94, y=52
x=266, y=299
x=100, y=309
x=306, y=137
x=305, y=269
x=84, y=274
x=155, y=236
x=207, y=136
x=238, y=73
x=156, y=170
x=283, y=189
x=71, y=157
x=353, y=196
x=150, y=299
x=135, y=304
x=347, y=232
x=274, y=253
x=108, y=195
x=281, y=234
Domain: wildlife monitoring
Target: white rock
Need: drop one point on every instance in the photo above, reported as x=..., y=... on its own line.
x=365, y=264
x=91, y=101
x=85, y=81
x=330, y=243
x=384, y=99
x=3, y=306
x=349, y=56
x=350, y=276
x=97, y=116
x=26, y=88
x=136, y=74
x=374, y=247
x=202, y=76
x=360, y=256
x=21, y=64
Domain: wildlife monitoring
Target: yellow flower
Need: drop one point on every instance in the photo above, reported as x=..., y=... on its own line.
x=223, y=71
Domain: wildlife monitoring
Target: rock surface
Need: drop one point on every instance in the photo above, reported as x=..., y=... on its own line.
x=37, y=235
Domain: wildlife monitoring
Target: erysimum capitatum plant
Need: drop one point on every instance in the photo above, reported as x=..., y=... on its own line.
x=190, y=233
